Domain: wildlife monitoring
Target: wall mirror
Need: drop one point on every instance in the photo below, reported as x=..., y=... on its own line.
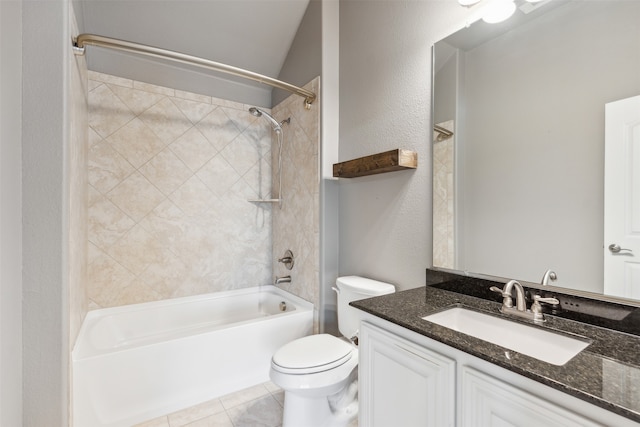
x=519, y=143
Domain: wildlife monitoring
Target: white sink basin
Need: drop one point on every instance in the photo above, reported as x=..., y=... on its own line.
x=542, y=344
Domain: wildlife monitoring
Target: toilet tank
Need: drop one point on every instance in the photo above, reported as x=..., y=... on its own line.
x=353, y=288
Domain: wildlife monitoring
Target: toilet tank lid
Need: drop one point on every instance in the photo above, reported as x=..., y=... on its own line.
x=364, y=286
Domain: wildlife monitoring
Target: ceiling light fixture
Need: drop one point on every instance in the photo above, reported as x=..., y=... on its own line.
x=494, y=11
x=499, y=11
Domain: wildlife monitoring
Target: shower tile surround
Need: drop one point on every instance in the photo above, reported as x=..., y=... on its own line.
x=296, y=220
x=170, y=175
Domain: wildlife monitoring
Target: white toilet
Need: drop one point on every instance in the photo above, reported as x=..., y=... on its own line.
x=318, y=373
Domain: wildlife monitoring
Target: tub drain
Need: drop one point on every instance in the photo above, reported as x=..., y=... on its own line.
x=283, y=306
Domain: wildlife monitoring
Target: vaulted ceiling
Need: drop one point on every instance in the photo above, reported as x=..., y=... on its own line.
x=252, y=34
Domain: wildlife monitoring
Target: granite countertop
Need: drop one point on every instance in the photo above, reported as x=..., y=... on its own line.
x=593, y=375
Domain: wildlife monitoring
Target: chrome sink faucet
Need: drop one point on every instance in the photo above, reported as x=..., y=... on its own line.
x=520, y=309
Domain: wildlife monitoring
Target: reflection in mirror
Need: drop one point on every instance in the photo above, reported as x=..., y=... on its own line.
x=519, y=186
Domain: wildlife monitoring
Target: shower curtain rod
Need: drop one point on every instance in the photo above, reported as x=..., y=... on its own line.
x=84, y=40
x=443, y=133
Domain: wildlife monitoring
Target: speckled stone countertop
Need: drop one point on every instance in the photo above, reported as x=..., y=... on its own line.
x=594, y=375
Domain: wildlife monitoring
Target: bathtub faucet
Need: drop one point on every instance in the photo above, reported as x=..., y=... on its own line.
x=283, y=279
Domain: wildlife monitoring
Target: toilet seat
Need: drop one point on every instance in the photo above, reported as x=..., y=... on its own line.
x=312, y=354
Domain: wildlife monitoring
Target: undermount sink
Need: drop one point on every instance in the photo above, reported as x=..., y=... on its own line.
x=542, y=344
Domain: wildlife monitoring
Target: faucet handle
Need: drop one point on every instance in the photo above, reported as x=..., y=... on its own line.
x=536, y=307
x=537, y=299
x=507, y=300
x=287, y=259
x=497, y=289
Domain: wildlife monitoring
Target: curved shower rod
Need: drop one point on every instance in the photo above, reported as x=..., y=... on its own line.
x=443, y=133
x=83, y=40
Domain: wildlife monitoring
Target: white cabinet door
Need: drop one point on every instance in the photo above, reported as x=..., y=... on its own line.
x=486, y=401
x=403, y=384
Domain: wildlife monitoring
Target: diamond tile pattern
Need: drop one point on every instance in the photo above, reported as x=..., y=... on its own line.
x=169, y=174
x=296, y=222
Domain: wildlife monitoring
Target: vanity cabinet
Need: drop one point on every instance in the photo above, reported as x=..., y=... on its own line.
x=403, y=384
x=407, y=379
x=487, y=401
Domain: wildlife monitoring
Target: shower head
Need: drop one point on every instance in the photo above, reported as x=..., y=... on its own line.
x=259, y=113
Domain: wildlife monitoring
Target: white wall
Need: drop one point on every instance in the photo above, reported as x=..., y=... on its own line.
x=46, y=40
x=10, y=214
x=329, y=188
x=385, y=97
x=304, y=59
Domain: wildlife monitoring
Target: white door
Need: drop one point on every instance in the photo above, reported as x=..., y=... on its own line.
x=622, y=198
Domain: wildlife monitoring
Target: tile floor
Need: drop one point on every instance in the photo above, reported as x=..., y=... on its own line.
x=258, y=406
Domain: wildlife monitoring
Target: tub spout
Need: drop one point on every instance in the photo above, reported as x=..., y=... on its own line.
x=283, y=279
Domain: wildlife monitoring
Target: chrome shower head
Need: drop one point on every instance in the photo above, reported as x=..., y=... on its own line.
x=259, y=113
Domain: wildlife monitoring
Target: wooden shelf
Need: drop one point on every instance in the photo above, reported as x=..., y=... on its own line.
x=389, y=161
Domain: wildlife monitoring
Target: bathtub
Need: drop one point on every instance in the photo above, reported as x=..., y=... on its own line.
x=141, y=361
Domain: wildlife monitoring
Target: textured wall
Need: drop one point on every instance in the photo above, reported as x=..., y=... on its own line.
x=296, y=220
x=385, y=97
x=170, y=176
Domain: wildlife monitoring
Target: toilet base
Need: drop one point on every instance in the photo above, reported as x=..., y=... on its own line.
x=302, y=411
x=338, y=409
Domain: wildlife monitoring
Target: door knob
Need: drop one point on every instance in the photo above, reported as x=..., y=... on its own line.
x=615, y=248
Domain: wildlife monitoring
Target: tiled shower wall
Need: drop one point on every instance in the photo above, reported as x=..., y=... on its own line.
x=296, y=220
x=443, y=200
x=170, y=175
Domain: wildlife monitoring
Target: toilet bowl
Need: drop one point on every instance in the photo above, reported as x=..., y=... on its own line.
x=318, y=373
x=313, y=371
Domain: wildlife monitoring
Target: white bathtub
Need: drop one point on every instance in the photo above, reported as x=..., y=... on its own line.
x=141, y=361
